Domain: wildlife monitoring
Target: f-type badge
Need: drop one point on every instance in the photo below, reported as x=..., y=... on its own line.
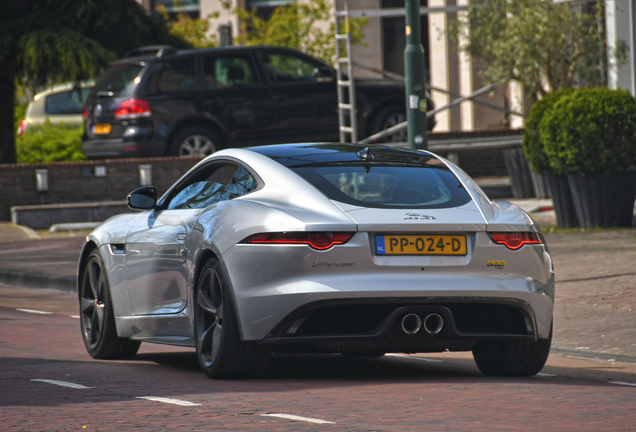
x=418, y=216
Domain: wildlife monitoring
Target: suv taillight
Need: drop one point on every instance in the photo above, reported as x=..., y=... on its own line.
x=85, y=111
x=132, y=109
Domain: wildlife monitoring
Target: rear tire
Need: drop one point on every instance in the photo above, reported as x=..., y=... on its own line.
x=97, y=317
x=220, y=351
x=194, y=142
x=512, y=358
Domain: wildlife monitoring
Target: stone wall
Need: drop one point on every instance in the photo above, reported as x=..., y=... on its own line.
x=84, y=182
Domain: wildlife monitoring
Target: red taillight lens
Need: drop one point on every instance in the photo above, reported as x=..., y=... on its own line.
x=317, y=240
x=85, y=111
x=516, y=240
x=132, y=109
x=22, y=127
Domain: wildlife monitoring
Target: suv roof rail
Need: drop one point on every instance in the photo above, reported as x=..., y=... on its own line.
x=154, y=50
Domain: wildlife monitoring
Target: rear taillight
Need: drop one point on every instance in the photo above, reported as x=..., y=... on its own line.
x=132, y=109
x=316, y=240
x=22, y=127
x=516, y=240
x=85, y=111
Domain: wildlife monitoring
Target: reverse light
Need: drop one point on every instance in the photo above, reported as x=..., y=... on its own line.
x=516, y=240
x=316, y=240
x=132, y=109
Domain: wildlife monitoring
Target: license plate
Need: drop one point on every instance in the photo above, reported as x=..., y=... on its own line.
x=420, y=245
x=102, y=129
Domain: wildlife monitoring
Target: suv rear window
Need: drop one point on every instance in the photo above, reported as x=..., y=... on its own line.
x=117, y=80
x=387, y=185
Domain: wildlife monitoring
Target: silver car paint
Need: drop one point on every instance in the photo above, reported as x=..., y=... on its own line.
x=270, y=281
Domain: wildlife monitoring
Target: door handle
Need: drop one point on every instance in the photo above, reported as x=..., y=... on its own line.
x=181, y=237
x=280, y=97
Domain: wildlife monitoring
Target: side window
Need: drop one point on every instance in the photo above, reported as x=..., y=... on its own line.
x=281, y=68
x=175, y=76
x=242, y=183
x=228, y=71
x=204, y=187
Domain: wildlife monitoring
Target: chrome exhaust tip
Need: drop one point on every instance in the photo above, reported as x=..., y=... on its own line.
x=411, y=323
x=433, y=323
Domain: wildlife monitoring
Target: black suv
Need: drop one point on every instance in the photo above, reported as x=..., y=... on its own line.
x=161, y=102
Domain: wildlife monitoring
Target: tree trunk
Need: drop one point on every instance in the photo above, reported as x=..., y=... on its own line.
x=7, y=102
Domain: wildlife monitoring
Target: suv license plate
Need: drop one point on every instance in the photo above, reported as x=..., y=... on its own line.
x=101, y=129
x=420, y=244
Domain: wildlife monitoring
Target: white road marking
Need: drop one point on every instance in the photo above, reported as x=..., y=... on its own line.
x=622, y=383
x=75, y=316
x=168, y=400
x=34, y=311
x=62, y=383
x=416, y=358
x=299, y=418
x=545, y=375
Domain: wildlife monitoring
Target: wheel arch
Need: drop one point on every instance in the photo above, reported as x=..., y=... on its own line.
x=202, y=122
x=203, y=258
x=87, y=249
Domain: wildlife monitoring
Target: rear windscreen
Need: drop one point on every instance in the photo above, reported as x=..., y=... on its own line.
x=118, y=80
x=387, y=186
x=68, y=102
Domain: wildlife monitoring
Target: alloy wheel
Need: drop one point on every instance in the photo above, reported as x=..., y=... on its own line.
x=197, y=146
x=93, y=309
x=209, y=317
x=393, y=120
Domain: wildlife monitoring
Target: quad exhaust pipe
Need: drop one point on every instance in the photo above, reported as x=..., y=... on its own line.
x=412, y=323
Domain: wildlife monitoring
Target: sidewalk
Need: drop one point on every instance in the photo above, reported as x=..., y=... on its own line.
x=595, y=311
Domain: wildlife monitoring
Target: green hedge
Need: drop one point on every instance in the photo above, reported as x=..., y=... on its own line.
x=589, y=131
x=531, y=144
x=50, y=143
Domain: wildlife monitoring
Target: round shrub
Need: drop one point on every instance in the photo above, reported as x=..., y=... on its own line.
x=50, y=143
x=590, y=131
x=531, y=144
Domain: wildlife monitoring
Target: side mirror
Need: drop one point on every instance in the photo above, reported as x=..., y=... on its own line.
x=324, y=74
x=144, y=198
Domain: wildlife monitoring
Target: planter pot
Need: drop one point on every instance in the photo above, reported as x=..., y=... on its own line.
x=519, y=173
x=604, y=200
x=563, y=204
x=539, y=185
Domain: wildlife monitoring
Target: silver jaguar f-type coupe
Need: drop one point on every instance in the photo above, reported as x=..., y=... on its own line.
x=336, y=248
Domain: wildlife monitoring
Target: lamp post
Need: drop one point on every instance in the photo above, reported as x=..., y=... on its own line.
x=414, y=71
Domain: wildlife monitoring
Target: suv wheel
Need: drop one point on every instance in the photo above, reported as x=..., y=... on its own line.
x=389, y=117
x=196, y=141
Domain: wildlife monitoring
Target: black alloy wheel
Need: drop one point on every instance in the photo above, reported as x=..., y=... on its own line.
x=97, y=317
x=220, y=351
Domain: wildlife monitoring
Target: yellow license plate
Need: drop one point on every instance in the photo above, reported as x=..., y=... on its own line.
x=102, y=129
x=420, y=244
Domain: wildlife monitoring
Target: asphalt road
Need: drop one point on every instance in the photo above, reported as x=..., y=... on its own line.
x=308, y=393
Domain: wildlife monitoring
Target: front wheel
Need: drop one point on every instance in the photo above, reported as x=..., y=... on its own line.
x=220, y=351
x=512, y=358
x=97, y=317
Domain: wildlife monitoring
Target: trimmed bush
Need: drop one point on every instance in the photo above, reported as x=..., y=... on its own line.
x=50, y=143
x=532, y=145
x=589, y=131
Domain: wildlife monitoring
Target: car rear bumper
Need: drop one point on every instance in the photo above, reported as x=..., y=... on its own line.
x=121, y=148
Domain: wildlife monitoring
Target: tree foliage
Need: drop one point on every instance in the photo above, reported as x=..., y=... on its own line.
x=543, y=45
x=43, y=42
x=296, y=26
x=194, y=31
